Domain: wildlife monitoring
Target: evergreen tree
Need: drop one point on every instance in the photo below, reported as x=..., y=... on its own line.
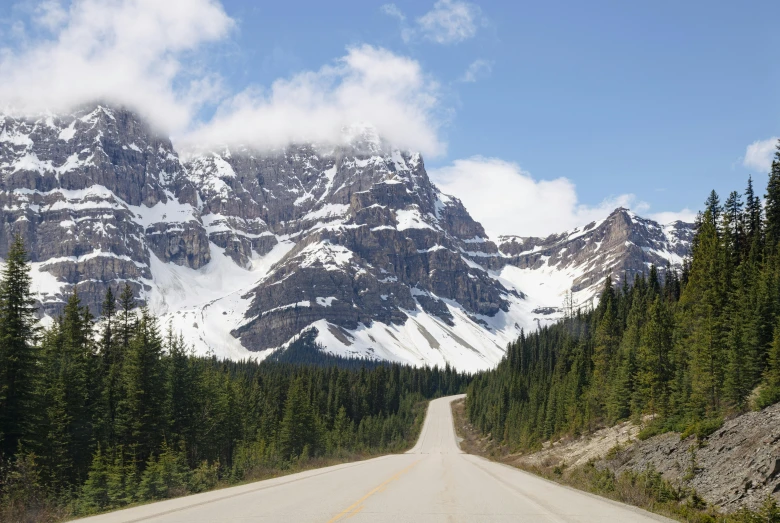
x=69, y=392
x=752, y=218
x=18, y=351
x=141, y=408
x=127, y=317
x=112, y=352
x=297, y=430
x=713, y=209
x=183, y=390
x=770, y=392
x=654, y=371
x=772, y=208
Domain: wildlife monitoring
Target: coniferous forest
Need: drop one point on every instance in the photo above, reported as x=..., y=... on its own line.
x=97, y=414
x=686, y=348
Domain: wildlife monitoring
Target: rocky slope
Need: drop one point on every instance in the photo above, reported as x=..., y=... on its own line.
x=736, y=466
x=96, y=195
x=241, y=250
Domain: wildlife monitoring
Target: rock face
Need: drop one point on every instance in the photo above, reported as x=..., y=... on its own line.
x=95, y=194
x=623, y=244
x=736, y=466
x=242, y=250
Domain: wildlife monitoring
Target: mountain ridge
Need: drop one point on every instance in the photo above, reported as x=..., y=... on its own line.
x=239, y=249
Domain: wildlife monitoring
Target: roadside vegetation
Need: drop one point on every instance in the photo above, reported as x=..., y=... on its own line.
x=646, y=489
x=97, y=420
x=685, y=350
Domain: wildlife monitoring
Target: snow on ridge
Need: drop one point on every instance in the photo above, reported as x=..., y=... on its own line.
x=411, y=218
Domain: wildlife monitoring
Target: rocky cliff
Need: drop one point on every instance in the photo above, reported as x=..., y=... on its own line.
x=241, y=250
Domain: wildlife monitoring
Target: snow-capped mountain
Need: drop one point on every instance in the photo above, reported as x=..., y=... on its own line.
x=241, y=250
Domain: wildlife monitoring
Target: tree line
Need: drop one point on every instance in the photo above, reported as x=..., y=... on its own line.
x=102, y=413
x=685, y=347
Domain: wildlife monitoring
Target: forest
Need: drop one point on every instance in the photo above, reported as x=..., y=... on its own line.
x=101, y=413
x=685, y=348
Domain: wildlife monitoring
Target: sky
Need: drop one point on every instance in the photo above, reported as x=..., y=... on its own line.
x=540, y=116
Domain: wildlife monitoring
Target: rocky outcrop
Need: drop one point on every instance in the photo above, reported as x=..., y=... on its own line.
x=367, y=253
x=622, y=245
x=94, y=193
x=736, y=466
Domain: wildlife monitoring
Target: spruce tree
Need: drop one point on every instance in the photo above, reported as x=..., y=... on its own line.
x=70, y=395
x=770, y=390
x=713, y=208
x=752, y=213
x=654, y=358
x=772, y=208
x=297, y=430
x=141, y=408
x=18, y=351
x=733, y=228
x=111, y=352
x=700, y=318
x=127, y=317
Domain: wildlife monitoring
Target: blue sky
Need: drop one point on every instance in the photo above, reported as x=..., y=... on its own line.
x=648, y=104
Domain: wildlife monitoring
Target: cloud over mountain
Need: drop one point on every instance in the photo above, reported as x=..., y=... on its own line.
x=136, y=53
x=149, y=56
x=368, y=85
x=506, y=199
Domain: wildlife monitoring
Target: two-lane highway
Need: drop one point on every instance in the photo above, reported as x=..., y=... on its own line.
x=433, y=482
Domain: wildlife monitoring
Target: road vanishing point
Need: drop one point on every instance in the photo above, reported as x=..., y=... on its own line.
x=433, y=482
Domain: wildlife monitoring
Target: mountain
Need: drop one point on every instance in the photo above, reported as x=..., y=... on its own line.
x=242, y=250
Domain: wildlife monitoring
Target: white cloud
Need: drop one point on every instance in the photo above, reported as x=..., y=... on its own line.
x=450, y=21
x=369, y=85
x=508, y=200
x=759, y=154
x=148, y=55
x=685, y=215
x=129, y=52
x=476, y=69
x=392, y=10
x=50, y=14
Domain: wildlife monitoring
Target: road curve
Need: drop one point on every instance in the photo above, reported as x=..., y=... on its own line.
x=433, y=482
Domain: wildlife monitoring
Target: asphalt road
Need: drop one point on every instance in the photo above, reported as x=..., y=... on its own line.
x=433, y=482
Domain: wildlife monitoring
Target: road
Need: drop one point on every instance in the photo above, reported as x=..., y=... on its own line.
x=433, y=482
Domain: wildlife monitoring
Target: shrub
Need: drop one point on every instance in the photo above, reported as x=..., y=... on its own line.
x=702, y=428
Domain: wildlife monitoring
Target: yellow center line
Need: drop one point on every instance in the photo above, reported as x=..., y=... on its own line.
x=357, y=505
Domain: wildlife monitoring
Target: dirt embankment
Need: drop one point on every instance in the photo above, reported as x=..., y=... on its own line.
x=736, y=466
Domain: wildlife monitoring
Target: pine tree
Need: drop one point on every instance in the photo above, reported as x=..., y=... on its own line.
x=605, y=348
x=18, y=351
x=112, y=352
x=752, y=218
x=733, y=228
x=772, y=208
x=69, y=395
x=770, y=391
x=297, y=429
x=94, y=496
x=654, y=358
x=183, y=390
x=143, y=403
x=127, y=317
x=713, y=208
